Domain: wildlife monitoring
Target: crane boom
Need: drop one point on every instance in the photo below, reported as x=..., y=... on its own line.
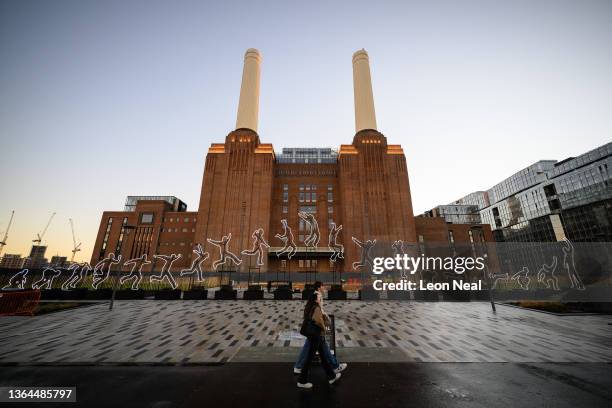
x=44, y=231
x=75, y=247
x=5, y=237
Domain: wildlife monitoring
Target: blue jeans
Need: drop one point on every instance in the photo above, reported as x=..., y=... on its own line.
x=304, y=355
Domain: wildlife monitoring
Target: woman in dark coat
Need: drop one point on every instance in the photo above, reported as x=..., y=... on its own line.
x=312, y=312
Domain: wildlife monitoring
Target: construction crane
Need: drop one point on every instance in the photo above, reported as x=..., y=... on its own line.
x=39, y=236
x=75, y=247
x=5, y=237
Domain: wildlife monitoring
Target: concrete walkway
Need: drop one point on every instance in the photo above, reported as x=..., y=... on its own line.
x=196, y=332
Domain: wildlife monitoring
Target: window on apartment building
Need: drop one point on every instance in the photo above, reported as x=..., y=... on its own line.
x=146, y=218
x=185, y=230
x=330, y=197
x=186, y=220
x=285, y=209
x=109, y=224
x=330, y=210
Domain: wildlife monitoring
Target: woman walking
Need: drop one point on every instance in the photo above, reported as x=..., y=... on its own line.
x=313, y=328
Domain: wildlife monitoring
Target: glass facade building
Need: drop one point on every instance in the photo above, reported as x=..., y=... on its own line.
x=547, y=201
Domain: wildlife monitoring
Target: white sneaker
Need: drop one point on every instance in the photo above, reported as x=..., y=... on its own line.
x=297, y=370
x=333, y=380
x=341, y=368
x=305, y=385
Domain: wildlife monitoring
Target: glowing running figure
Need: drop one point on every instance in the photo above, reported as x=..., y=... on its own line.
x=314, y=235
x=398, y=249
x=46, y=280
x=289, y=243
x=224, y=253
x=546, y=275
x=366, y=257
x=522, y=277
x=259, y=243
x=19, y=278
x=78, y=274
x=102, y=269
x=136, y=271
x=569, y=264
x=165, y=270
x=337, y=249
x=196, y=265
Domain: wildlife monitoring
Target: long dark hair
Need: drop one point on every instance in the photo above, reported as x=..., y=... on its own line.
x=311, y=305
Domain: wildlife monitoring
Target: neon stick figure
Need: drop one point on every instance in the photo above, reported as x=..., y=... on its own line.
x=289, y=244
x=196, y=265
x=19, y=278
x=46, y=280
x=522, y=277
x=546, y=275
x=102, y=269
x=366, y=257
x=337, y=249
x=314, y=235
x=569, y=264
x=136, y=271
x=165, y=270
x=76, y=276
x=259, y=243
x=224, y=253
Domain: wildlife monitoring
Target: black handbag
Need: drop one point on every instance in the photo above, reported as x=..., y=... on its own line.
x=310, y=328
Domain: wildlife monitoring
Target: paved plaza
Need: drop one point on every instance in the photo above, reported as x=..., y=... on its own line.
x=200, y=332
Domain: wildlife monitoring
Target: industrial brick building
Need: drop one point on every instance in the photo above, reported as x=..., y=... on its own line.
x=362, y=187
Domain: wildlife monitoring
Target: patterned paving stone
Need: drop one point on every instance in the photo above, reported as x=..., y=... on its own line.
x=184, y=332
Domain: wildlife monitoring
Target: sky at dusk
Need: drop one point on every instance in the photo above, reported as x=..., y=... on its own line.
x=100, y=100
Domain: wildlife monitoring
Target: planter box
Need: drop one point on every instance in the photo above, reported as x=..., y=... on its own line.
x=253, y=294
x=369, y=294
x=283, y=293
x=226, y=293
x=195, y=294
x=127, y=294
x=336, y=293
x=168, y=294
x=100, y=294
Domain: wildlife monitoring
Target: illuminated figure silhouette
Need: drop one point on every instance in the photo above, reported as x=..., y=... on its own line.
x=522, y=277
x=224, y=253
x=78, y=274
x=366, y=257
x=259, y=243
x=136, y=271
x=568, y=263
x=46, y=280
x=165, y=270
x=546, y=275
x=314, y=235
x=398, y=249
x=505, y=277
x=18, y=279
x=102, y=269
x=289, y=243
x=196, y=265
x=337, y=249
